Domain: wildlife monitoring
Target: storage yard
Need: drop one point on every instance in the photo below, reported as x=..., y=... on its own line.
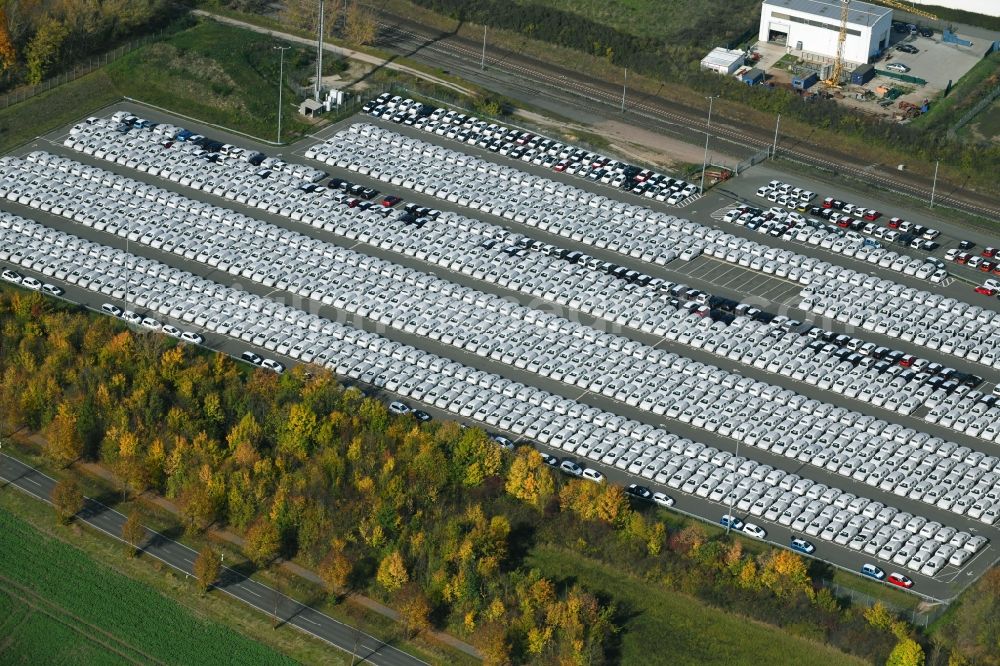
x=761, y=357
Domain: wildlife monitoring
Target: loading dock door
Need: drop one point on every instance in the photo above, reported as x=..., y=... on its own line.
x=777, y=33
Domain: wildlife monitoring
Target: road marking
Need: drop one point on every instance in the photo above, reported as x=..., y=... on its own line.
x=31, y=480
x=303, y=617
x=251, y=591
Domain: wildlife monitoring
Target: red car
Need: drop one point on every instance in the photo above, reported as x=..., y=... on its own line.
x=390, y=201
x=989, y=252
x=985, y=291
x=907, y=360
x=987, y=266
x=828, y=202
x=872, y=215
x=895, y=222
x=844, y=222
x=899, y=580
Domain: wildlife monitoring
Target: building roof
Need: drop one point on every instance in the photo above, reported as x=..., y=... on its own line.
x=860, y=13
x=720, y=57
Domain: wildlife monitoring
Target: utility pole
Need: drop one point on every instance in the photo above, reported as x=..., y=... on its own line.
x=281, y=82
x=731, y=498
x=934, y=185
x=774, y=148
x=624, y=83
x=318, y=88
x=482, y=63
x=708, y=128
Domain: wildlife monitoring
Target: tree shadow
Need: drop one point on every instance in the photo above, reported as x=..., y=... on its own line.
x=520, y=542
x=385, y=39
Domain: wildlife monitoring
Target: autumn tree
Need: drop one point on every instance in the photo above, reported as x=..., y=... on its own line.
x=8, y=55
x=529, y=478
x=906, y=653
x=67, y=500
x=207, y=567
x=414, y=609
x=493, y=644
x=262, y=543
x=785, y=574
x=392, y=573
x=335, y=570
x=133, y=533
x=64, y=444
x=360, y=25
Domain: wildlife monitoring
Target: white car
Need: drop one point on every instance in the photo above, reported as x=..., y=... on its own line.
x=897, y=67
x=571, y=468
x=755, y=531
x=663, y=499
x=397, y=407
x=593, y=475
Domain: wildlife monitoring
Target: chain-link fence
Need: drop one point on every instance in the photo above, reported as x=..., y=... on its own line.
x=918, y=617
x=82, y=69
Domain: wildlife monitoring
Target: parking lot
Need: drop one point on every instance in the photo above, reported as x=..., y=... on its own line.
x=586, y=318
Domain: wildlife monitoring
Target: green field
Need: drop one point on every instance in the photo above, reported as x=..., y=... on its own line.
x=217, y=73
x=59, y=606
x=209, y=71
x=664, y=627
x=694, y=21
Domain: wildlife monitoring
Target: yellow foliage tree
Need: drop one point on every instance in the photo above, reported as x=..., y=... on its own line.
x=529, y=479
x=392, y=573
x=64, y=444
x=785, y=574
x=906, y=653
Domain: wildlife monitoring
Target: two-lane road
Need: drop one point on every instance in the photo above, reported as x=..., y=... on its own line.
x=363, y=647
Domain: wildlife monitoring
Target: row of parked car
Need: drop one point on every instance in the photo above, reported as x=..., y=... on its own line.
x=519, y=239
x=913, y=315
x=846, y=215
x=793, y=226
x=524, y=251
x=532, y=148
x=523, y=341
x=446, y=384
x=523, y=190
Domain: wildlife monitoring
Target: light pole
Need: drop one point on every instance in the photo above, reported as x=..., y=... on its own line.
x=281, y=80
x=624, y=83
x=482, y=63
x=708, y=128
x=934, y=184
x=774, y=148
x=731, y=498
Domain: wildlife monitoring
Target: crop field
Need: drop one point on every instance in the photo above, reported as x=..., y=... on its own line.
x=59, y=606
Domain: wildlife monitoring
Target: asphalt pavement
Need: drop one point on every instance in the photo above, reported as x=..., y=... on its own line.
x=946, y=584
x=363, y=647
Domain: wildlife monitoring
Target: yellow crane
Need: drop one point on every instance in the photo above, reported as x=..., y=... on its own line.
x=838, y=63
x=903, y=7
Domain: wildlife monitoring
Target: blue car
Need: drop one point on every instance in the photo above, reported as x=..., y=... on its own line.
x=872, y=571
x=802, y=546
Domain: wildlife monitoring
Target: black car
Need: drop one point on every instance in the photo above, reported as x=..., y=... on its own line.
x=421, y=415
x=966, y=245
x=642, y=492
x=251, y=357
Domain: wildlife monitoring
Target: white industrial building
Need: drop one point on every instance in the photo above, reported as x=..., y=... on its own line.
x=811, y=28
x=724, y=61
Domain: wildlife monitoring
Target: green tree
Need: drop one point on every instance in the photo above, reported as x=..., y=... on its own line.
x=43, y=49
x=67, y=500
